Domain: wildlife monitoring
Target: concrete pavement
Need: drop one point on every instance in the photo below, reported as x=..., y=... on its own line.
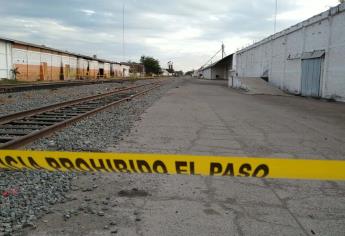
x=206, y=117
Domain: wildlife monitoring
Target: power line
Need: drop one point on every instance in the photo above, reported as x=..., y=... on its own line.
x=212, y=57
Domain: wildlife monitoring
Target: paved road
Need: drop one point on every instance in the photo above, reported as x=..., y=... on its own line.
x=206, y=117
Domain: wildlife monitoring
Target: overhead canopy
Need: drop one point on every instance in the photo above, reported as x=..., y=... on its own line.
x=223, y=60
x=314, y=54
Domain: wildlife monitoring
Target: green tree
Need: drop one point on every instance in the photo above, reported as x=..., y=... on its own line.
x=151, y=65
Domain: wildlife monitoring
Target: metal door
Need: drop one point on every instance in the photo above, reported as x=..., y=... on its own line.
x=311, y=74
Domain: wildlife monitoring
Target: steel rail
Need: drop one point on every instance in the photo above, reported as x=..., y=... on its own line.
x=59, y=124
x=7, y=88
x=17, y=115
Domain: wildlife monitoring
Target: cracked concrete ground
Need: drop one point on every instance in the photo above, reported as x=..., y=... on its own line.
x=206, y=117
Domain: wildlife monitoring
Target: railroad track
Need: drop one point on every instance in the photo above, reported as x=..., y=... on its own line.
x=8, y=88
x=24, y=127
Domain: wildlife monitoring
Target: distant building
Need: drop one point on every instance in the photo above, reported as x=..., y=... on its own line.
x=165, y=72
x=38, y=62
x=195, y=73
x=135, y=69
x=218, y=70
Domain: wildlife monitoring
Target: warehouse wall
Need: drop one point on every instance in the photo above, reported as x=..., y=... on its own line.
x=281, y=53
x=106, y=70
x=5, y=60
x=82, y=66
x=221, y=70
x=117, y=70
x=36, y=64
x=93, y=66
x=206, y=73
x=125, y=70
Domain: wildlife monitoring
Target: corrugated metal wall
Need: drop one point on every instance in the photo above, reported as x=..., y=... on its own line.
x=311, y=74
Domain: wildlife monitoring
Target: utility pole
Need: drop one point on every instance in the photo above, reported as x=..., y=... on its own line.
x=275, y=17
x=223, y=51
x=123, y=32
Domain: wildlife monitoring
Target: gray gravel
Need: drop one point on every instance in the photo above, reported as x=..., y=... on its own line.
x=21, y=101
x=27, y=196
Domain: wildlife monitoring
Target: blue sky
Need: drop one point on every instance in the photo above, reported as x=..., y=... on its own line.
x=188, y=32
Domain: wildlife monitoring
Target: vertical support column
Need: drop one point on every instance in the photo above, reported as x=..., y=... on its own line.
x=6, y=56
x=285, y=60
x=325, y=73
x=303, y=50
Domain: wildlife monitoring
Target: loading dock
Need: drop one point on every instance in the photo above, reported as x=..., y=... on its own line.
x=312, y=64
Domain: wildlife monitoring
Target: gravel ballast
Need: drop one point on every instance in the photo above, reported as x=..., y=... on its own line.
x=26, y=100
x=27, y=196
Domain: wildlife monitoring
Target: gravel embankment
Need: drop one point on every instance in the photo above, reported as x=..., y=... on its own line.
x=26, y=196
x=21, y=101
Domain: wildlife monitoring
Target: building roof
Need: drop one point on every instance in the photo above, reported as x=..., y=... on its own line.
x=57, y=50
x=132, y=63
x=217, y=62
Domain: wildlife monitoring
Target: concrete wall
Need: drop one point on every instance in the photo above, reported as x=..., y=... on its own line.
x=5, y=60
x=206, y=73
x=117, y=70
x=36, y=64
x=106, y=70
x=93, y=69
x=125, y=70
x=281, y=53
x=82, y=68
x=220, y=71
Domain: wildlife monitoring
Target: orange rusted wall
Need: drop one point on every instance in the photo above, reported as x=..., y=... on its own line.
x=56, y=73
x=107, y=70
x=23, y=71
x=82, y=68
x=41, y=64
x=35, y=63
x=93, y=74
x=93, y=65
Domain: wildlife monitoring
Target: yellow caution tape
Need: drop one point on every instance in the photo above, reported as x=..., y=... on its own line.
x=174, y=164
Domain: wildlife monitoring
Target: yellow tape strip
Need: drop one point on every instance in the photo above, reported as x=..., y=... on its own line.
x=174, y=164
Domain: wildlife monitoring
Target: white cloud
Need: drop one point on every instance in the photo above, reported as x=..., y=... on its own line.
x=88, y=12
x=187, y=32
x=306, y=9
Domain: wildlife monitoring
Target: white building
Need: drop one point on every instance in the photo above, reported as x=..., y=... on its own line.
x=218, y=70
x=125, y=70
x=165, y=72
x=307, y=58
x=195, y=73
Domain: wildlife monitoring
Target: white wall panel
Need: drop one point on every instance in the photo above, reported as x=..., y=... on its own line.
x=19, y=56
x=282, y=55
x=46, y=57
x=56, y=60
x=34, y=58
x=5, y=60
